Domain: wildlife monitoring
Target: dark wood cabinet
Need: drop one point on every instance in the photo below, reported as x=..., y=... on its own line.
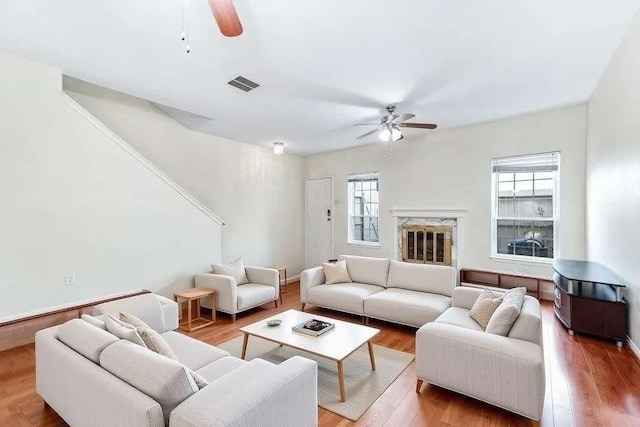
x=589, y=299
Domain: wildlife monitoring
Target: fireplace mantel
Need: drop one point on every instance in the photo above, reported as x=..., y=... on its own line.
x=428, y=213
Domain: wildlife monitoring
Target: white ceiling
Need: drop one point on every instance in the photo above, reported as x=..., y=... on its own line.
x=324, y=65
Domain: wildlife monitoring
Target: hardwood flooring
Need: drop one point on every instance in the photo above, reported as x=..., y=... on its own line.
x=589, y=382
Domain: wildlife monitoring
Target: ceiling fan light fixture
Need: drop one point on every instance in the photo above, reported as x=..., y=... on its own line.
x=396, y=135
x=278, y=148
x=385, y=134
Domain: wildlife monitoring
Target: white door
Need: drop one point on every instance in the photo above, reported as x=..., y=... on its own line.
x=319, y=221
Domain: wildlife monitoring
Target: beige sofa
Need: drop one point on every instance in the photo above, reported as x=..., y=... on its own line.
x=92, y=378
x=454, y=352
x=405, y=293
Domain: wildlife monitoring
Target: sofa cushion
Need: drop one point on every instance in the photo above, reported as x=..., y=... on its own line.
x=458, y=316
x=437, y=279
x=85, y=338
x=234, y=269
x=347, y=297
x=190, y=352
x=527, y=326
x=220, y=367
x=336, y=272
x=98, y=323
x=166, y=381
x=405, y=306
x=151, y=338
x=372, y=271
x=507, y=312
x=254, y=294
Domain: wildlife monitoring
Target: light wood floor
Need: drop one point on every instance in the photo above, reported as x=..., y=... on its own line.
x=589, y=382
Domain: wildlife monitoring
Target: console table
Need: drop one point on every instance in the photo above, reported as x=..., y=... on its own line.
x=589, y=298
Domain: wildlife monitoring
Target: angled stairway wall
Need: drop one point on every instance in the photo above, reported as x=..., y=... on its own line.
x=74, y=199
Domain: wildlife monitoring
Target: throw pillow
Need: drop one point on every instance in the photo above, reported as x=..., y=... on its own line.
x=200, y=381
x=94, y=321
x=507, y=313
x=336, y=272
x=484, y=307
x=234, y=269
x=123, y=330
x=152, y=339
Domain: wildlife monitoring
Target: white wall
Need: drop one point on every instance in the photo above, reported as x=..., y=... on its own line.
x=613, y=171
x=451, y=169
x=260, y=196
x=73, y=201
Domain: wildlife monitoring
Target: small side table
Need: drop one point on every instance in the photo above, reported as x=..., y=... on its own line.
x=282, y=271
x=195, y=294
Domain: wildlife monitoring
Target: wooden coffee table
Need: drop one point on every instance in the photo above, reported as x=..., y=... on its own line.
x=336, y=344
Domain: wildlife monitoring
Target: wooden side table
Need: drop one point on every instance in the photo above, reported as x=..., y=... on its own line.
x=195, y=294
x=282, y=271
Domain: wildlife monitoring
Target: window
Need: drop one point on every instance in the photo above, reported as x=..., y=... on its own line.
x=363, y=209
x=525, y=206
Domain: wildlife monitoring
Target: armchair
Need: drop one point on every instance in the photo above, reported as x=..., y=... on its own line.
x=231, y=298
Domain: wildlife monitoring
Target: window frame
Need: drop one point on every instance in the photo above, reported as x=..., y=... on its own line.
x=350, y=201
x=495, y=217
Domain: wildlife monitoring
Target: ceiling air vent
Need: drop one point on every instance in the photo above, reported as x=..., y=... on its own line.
x=243, y=83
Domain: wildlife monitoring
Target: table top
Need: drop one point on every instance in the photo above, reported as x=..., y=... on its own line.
x=335, y=344
x=586, y=271
x=194, y=293
x=279, y=267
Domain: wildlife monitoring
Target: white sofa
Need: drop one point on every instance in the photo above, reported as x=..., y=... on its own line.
x=400, y=292
x=454, y=352
x=92, y=378
x=231, y=298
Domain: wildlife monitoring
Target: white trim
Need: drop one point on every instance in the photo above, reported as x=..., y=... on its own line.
x=633, y=347
x=521, y=259
x=139, y=157
x=333, y=215
x=293, y=279
x=363, y=243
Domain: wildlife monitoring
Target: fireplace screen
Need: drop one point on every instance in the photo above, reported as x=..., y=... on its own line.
x=426, y=244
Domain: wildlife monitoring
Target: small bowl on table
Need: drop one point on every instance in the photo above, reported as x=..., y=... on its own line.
x=274, y=322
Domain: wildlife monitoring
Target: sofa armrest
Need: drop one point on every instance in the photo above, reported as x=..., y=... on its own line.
x=503, y=371
x=286, y=396
x=310, y=278
x=264, y=276
x=225, y=287
x=464, y=296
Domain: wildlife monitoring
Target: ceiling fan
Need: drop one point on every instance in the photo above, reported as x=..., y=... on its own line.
x=389, y=126
x=225, y=15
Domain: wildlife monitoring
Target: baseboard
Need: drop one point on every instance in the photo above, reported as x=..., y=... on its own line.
x=633, y=347
x=293, y=279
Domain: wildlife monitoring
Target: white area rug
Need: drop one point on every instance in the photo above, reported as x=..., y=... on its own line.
x=363, y=386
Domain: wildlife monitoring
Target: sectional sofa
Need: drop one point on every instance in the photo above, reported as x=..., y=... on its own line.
x=400, y=292
x=92, y=378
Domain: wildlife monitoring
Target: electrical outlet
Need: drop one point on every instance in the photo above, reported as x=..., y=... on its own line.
x=70, y=279
x=524, y=269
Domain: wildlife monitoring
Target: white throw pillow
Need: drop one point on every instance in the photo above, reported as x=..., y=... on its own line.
x=336, y=272
x=123, y=330
x=507, y=313
x=484, y=307
x=234, y=269
x=153, y=340
x=98, y=323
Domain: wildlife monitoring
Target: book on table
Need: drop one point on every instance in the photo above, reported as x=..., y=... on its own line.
x=313, y=327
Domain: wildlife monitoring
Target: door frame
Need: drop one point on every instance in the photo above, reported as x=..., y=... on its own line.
x=333, y=215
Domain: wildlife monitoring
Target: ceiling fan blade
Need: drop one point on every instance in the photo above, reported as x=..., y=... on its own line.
x=418, y=125
x=364, y=135
x=225, y=15
x=404, y=117
x=366, y=124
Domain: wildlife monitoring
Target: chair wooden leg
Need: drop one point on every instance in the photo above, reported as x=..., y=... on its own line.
x=302, y=309
x=419, y=385
x=46, y=405
x=275, y=303
x=233, y=318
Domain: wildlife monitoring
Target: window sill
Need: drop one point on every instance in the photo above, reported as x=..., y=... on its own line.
x=365, y=244
x=515, y=259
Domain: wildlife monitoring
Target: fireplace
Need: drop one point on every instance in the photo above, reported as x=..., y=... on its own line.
x=427, y=244
x=428, y=236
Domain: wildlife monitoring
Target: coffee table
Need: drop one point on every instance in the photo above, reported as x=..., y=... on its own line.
x=336, y=344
